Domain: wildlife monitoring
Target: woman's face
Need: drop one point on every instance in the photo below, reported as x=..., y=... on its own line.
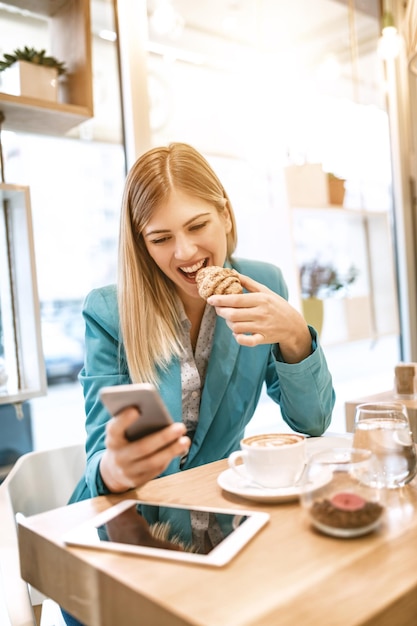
x=184, y=235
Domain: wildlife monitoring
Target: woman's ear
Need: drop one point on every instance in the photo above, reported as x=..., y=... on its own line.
x=227, y=220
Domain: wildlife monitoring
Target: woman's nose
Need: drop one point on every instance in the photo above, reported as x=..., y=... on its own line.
x=184, y=247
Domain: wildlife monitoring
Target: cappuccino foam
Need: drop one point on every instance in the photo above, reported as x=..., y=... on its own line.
x=273, y=440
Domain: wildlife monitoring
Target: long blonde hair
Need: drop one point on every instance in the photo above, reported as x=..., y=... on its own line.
x=149, y=319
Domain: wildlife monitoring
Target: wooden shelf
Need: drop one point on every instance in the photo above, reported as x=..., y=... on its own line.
x=39, y=7
x=30, y=115
x=70, y=42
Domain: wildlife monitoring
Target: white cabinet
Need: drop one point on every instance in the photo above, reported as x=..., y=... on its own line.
x=22, y=369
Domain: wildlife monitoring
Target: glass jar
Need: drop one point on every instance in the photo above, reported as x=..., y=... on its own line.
x=336, y=493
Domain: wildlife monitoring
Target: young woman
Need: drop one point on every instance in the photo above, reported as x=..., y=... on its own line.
x=210, y=360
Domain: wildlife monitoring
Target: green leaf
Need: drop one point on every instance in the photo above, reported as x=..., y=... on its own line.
x=32, y=55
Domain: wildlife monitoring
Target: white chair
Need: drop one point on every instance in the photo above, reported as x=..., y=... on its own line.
x=38, y=482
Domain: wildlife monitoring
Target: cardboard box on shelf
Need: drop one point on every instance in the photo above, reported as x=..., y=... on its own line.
x=309, y=186
x=336, y=190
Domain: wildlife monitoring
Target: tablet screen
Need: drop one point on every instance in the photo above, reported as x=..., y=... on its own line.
x=198, y=534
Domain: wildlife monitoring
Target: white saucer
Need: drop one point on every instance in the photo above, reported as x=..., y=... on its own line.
x=230, y=481
x=318, y=444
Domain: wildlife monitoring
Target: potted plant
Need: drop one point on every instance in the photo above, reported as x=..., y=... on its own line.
x=30, y=72
x=319, y=281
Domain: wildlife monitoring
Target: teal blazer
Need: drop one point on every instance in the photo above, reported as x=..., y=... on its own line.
x=234, y=379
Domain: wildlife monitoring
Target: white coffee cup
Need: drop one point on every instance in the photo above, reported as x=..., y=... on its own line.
x=271, y=460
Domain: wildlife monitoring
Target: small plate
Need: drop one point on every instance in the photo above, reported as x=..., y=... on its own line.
x=318, y=444
x=230, y=481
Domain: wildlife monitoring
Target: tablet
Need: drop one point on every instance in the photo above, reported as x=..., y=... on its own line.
x=204, y=535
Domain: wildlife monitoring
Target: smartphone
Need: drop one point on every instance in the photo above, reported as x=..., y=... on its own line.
x=153, y=413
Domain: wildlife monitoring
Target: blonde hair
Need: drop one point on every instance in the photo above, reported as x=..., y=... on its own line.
x=148, y=311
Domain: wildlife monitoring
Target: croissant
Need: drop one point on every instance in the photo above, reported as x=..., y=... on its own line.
x=217, y=280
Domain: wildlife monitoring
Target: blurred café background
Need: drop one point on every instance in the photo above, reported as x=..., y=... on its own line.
x=286, y=100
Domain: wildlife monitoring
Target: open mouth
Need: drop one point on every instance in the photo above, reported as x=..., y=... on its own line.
x=191, y=272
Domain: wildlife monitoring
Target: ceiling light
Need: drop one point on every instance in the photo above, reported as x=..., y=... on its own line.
x=108, y=35
x=389, y=43
x=165, y=20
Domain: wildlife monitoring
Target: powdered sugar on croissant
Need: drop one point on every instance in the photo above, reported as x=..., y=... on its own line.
x=217, y=280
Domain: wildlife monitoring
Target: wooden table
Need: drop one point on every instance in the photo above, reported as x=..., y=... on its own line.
x=384, y=396
x=288, y=575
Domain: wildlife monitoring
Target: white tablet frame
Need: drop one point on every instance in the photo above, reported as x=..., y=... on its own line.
x=85, y=534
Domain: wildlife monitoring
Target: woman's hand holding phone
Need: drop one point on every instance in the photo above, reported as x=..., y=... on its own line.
x=128, y=465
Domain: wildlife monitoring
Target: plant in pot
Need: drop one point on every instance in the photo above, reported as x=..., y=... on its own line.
x=319, y=281
x=31, y=72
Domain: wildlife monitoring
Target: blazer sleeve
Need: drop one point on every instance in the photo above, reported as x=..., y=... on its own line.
x=303, y=390
x=104, y=364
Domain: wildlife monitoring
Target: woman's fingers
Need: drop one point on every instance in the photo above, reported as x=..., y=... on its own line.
x=148, y=467
x=125, y=464
x=252, y=285
x=262, y=316
x=250, y=340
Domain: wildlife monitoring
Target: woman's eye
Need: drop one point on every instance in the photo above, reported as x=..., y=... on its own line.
x=160, y=240
x=198, y=226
